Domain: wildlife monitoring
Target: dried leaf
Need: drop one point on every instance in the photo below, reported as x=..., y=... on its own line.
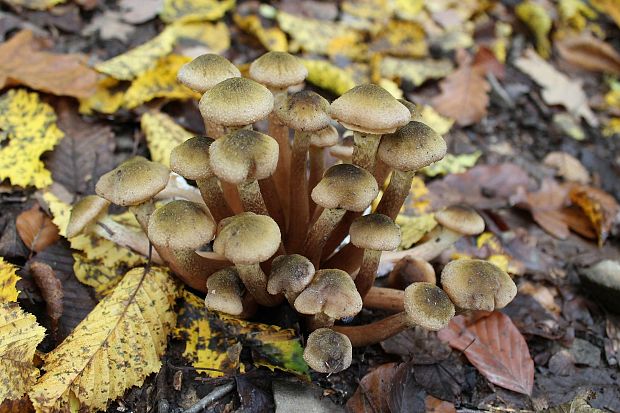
x=496, y=348
x=538, y=20
x=589, y=53
x=139, y=11
x=401, y=38
x=416, y=71
x=31, y=128
x=575, y=13
x=414, y=228
x=434, y=405
x=568, y=167
x=272, y=38
x=578, y=405
x=329, y=77
x=51, y=291
x=36, y=229
x=162, y=135
x=116, y=346
x=430, y=117
x=107, y=98
x=109, y=25
x=373, y=391
x=600, y=208
x=451, y=164
x=8, y=279
x=194, y=10
x=35, y=4
x=610, y=7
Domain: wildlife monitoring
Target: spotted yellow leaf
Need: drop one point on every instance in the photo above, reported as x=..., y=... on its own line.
x=414, y=228
x=19, y=336
x=107, y=98
x=539, y=22
x=194, y=10
x=30, y=126
x=416, y=71
x=272, y=38
x=115, y=347
x=452, y=164
x=328, y=76
x=401, y=38
x=162, y=135
x=35, y=4
x=8, y=279
x=214, y=36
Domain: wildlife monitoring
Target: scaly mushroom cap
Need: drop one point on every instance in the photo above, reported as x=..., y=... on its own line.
x=328, y=351
x=278, y=70
x=428, y=306
x=225, y=292
x=375, y=232
x=206, y=71
x=304, y=111
x=411, y=147
x=477, y=285
x=345, y=186
x=369, y=109
x=331, y=292
x=290, y=273
x=86, y=212
x=181, y=225
x=244, y=155
x=133, y=182
x=324, y=138
x=461, y=219
x=247, y=238
x=191, y=158
x=236, y=102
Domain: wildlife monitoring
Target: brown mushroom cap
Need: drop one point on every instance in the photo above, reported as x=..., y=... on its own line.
x=290, y=273
x=206, y=71
x=428, y=306
x=332, y=292
x=477, y=285
x=375, y=232
x=345, y=186
x=191, y=158
x=236, y=102
x=278, y=70
x=224, y=292
x=461, y=219
x=411, y=107
x=328, y=351
x=369, y=109
x=244, y=155
x=181, y=225
x=247, y=238
x=133, y=182
x=412, y=147
x=86, y=212
x=304, y=111
x=325, y=137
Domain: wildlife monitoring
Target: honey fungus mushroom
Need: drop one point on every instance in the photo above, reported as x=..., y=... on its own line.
x=328, y=351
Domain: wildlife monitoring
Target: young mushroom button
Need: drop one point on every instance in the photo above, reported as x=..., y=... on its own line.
x=328, y=351
x=290, y=274
x=224, y=292
x=206, y=71
x=85, y=213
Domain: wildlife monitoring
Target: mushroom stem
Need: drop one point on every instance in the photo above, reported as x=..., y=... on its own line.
x=348, y=258
x=280, y=133
x=269, y=190
x=339, y=234
x=365, y=150
x=298, y=193
x=119, y=234
x=190, y=267
x=389, y=299
x=255, y=282
x=382, y=171
x=214, y=198
x=317, y=167
x=319, y=320
x=376, y=332
x=251, y=198
x=368, y=271
x=320, y=231
x=396, y=193
x=143, y=213
x=440, y=239
x=231, y=195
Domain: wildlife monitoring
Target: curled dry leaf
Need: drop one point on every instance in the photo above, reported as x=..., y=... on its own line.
x=587, y=52
x=36, y=229
x=372, y=394
x=568, y=167
x=600, y=208
x=51, y=291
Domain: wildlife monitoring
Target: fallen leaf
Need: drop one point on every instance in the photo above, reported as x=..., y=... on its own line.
x=272, y=38
x=8, y=279
x=539, y=22
x=23, y=405
x=600, y=207
x=452, y=164
x=416, y=71
x=110, y=26
x=434, y=405
x=430, y=117
x=327, y=76
x=297, y=395
x=116, y=346
x=587, y=52
x=36, y=229
x=578, y=405
x=610, y=7
x=139, y=11
x=11, y=245
x=496, y=348
x=400, y=38
x=162, y=135
x=107, y=99
x=414, y=228
x=194, y=10
x=35, y=4
x=569, y=125
x=51, y=291
x=373, y=391
x=575, y=13
x=568, y=167
x=30, y=126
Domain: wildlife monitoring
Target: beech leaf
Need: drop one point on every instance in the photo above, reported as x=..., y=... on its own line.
x=587, y=52
x=8, y=279
x=162, y=135
x=600, y=208
x=36, y=229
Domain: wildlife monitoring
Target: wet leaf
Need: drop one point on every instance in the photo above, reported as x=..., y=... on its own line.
x=538, y=20
x=36, y=229
x=327, y=76
x=162, y=135
x=451, y=164
x=135, y=319
x=194, y=10
x=8, y=279
x=600, y=208
x=589, y=53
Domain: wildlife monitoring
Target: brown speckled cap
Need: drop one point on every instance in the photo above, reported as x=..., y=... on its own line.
x=332, y=292
x=304, y=111
x=206, y=71
x=346, y=186
x=412, y=147
x=86, y=212
x=375, y=232
x=428, y=306
x=181, y=225
x=328, y=351
x=278, y=70
x=461, y=219
x=325, y=137
x=191, y=158
x=290, y=273
x=247, y=238
x=225, y=291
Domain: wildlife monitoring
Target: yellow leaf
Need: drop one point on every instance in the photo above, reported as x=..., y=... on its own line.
x=408, y=9
x=272, y=38
x=612, y=127
x=194, y=10
x=115, y=347
x=19, y=336
x=214, y=36
x=452, y=164
x=610, y=7
x=537, y=19
x=401, y=38
x=162, y=135
x=575, y=13
x=8, y=279
x=368, y=9
x=327, y=76
x=416, y=71
x=30, y=126
x=35, y=4
x=500, y=45
x=430, y=117
x=107, y=98
x=414, y=228
x=391, y=87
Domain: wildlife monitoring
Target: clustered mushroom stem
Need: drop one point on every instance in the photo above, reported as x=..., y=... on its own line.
x=231, y=195
x=368, y=271
x=396, y=193
x=365, y=150
x=376, y=332
x=347, y=258
x=214, y=198
x=143, y=213
x=190, y=267
x=339, y=234
x=269, y=190
x=389, y=299
x=298, y=192
x=251, y=198
x=280, y=133
x=319, y=320
x=382, y=171
x=440, y=239
x=317, y=167
x=320, y=231
x=255, y=282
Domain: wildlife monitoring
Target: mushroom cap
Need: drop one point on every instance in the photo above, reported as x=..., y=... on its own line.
x=328, y=351
x=247, y=238
x=304, y=111
x=181, y=225
x=331, y=292
x=375, y=232
x=346, y=186
x=244, y=155
x=477, y=285
x=290, y=273
x=462, y=219
x=412, y=147
x=411, y=107
x=225, y=292
x=206, y=71
x=191, y=158
x=278, y=70
x=428, y=306
x=133, y=182
x=369, y=109
x=325, y=137
x=86, y=212
x=236, y=102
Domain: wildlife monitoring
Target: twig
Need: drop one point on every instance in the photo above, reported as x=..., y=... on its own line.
x=216, y=394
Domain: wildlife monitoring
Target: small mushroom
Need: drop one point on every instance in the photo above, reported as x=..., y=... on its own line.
x=477, y=285
x=425, y=305
x=225, y=294
x=246, y=240
x=410, y=270
x=330, y=296
x=328, y=351
x=373, y=233
x=319, y=140
x=86, y=212
x=290, y=275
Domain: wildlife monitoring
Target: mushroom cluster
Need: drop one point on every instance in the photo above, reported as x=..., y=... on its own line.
x=277, y=220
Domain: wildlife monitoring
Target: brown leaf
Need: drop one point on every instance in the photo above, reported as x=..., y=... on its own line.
x=22, y=61
x=36, y=229
x=600, y=207
x=373, y=390
x=587, y=52
x=434, y=405
x=486, y=62
x=568, y=167
x=496, y=348
x=51, y=291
